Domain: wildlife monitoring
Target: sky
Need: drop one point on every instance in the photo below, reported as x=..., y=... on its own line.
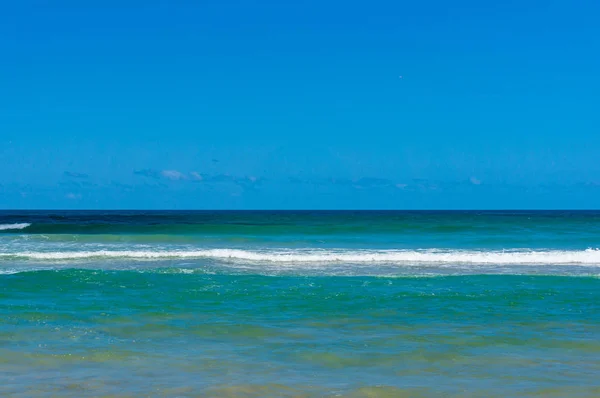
x=299, y=104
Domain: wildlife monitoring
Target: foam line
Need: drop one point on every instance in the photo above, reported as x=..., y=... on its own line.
x=589, y=256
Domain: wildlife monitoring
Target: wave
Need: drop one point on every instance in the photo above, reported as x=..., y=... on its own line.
x=7, y=227
x=552, y=257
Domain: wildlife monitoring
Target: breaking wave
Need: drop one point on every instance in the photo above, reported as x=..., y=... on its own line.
x=589, y=256
x=7, y=227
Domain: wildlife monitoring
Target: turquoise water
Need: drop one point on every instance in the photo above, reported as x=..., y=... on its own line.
x=299, y=304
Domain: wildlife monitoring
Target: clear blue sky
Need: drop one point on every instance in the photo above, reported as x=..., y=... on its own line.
x=278, y=104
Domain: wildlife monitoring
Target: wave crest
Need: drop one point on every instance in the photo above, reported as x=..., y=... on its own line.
x=6, y=227
x=589, y=256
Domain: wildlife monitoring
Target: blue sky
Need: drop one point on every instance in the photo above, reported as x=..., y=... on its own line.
x=312, y=104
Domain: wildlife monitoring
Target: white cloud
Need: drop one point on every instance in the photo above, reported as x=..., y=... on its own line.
x=73, y=196
x=173, y=175
x=196, y=176
x=475, y=181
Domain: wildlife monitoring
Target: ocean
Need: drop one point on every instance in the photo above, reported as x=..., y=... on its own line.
x=299, y=303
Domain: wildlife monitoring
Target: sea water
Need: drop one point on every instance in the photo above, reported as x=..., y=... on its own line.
x=299, y=304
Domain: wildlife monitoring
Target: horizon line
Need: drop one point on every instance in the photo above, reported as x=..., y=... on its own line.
x=314, y=210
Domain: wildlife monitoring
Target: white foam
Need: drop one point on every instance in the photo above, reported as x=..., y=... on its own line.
x=5, y=227
x=589, y=256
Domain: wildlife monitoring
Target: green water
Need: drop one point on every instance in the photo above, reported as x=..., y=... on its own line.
x=120, y=333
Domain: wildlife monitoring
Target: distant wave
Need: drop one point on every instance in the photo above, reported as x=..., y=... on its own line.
x=589, y=256
x=6, y=227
